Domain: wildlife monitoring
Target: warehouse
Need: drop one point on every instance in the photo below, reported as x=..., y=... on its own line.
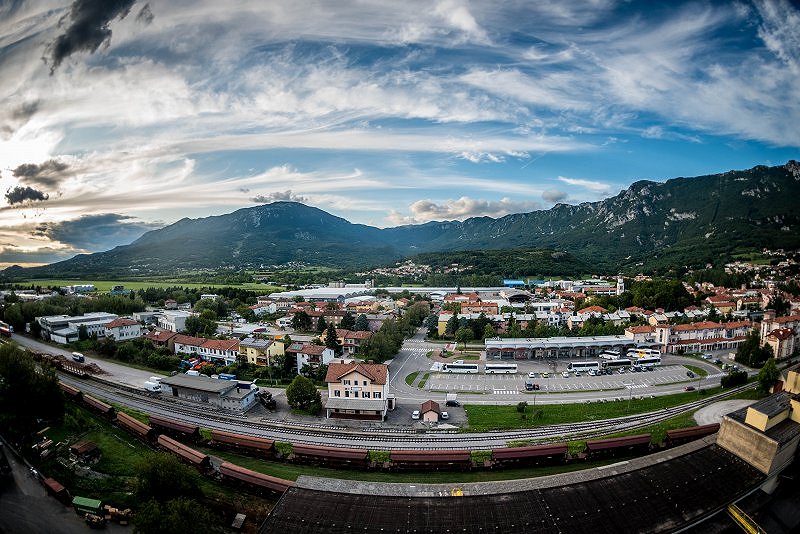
x=225, y=394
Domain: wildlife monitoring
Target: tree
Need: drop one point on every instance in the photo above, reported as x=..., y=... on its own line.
x=163, y=477
x=19, y=379
x=83, y=333
x=176, y=516
x=488, y=331
x=301, y=321
x=451, y=326
x=768, y=375
x=301, y=394
x=348, y=322
x=332, y=341
x=463, y=335
x=751, y=353
x=322, y=324
x=362, y=323
x=779, y=305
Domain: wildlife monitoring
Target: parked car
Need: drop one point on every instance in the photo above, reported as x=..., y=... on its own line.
x=536, y=387
x=689, y=388
x=545, y=375
x=452, y=402
x=592, y=372
x=445, y=415
x=415, y=414
x=528, y=386
x=690, y=374
x=622, y=370
x=718, y=361
x=565, y=374
x=531, y=375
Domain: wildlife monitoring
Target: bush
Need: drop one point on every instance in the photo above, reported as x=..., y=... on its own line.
x=301, y=394
x=736, y=378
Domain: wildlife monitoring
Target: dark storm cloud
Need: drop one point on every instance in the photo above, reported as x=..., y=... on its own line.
x=553, y=195
x=88, y=28
x=95, y=232
x=279, y=196
x=18, y=195
x=48, y=174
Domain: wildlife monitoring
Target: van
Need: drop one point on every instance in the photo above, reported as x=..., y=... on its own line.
x=152, y=387
x=192, y=372
x=156, y=379
x=78, y=357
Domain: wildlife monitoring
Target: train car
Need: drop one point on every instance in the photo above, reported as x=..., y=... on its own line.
x=253, y=479
x=98, y=406
x=680, y=436
x=55, y=489
x=429, y=459
x=73, y=368
x=136, y=427
x=247, y=444
x=185, y=453
x=534, y=455
x=175, y=429
x=625, y=446
x=70, y=392
x=338, y=456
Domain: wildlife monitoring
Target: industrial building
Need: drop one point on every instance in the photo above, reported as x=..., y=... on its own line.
x=64, y=328
x=554, y=347
x=227, y=395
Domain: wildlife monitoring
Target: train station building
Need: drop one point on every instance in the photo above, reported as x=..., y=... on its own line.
x=225, y=394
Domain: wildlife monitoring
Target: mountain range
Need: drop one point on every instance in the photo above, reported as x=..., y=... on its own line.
x=680, y=222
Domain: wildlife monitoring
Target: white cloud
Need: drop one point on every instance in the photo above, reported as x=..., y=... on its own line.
x=460, y=209
x=587, y=184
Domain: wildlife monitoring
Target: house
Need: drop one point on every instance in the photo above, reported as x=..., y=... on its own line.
x=357, y=390
x=307, y=354
x=189, y=345
x=162, y=338
x=220, y=350
x=486, y=308
x=430, y=411
x=123, y=329
x=263, y=309
x=702, y=336
x=260, y=352
x=593, y=311
x=351, y=340
x=770, y=323
x=640, y=334
x=781, y=340
x=170, y=304
x=173, y=320
x=209, y=296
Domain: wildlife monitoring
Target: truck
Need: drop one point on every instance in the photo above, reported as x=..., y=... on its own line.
x=78, y=357
x=152, y=387
x=227, y=376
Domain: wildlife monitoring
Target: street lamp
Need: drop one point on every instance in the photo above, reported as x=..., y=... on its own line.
x=629, y=385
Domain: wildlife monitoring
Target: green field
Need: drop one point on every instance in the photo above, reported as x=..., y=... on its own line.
x=482, y=418
x=106, y=285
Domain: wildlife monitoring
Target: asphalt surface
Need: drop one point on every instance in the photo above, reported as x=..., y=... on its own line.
x=714, y=413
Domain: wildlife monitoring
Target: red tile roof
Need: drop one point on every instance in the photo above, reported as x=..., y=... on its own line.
x=351, y=334
x=781, y=333
x=160, y=336
x=120, y=322
x=378, y=373
x=702, y=325
x=189, y=340
x=787, y=319
x=430, y=406
x=593, y=309
x=642, y=329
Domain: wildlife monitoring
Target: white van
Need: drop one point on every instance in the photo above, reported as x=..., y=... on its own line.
x=78, y=357
x=192, y=372
x=156, y=379
x=152, y=387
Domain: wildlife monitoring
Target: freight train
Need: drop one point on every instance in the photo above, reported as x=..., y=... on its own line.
x=165, y=433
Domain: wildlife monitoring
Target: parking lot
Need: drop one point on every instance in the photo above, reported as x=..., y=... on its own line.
x=514, y=383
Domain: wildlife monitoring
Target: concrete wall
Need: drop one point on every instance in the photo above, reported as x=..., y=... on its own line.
x=748, y=444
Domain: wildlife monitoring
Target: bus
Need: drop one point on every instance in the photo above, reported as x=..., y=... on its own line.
x=609, y=354
x=583, y=366
x=648, y=361
x=617, y=363
x=460, y=368
x=642, y=353
x=494, y=368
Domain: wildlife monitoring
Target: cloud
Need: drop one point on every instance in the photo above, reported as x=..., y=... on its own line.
x=460, y=209
x=88, y=28
x=94, y=233
x=145, y=15
x=588, y=184
x=279, y=196
x=554, y=195
x=20, y=195
x=48, y=174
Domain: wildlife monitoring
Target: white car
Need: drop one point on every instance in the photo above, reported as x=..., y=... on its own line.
x=531, y=375
x=445, y=415
x=565, y=374
x=415, y=414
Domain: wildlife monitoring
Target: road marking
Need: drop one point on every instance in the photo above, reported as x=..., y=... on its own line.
x=636, y=386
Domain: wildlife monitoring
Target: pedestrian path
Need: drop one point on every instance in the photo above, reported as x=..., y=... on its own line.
x=504, y=392
x=636, y=386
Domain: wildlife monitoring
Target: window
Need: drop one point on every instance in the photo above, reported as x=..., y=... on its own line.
x=365, y=394
x=346, y=382
x=346, y=393
x=365, y=383
x=337, y=393
x=377, y=394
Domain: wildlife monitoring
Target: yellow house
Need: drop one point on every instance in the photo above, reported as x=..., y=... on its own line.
x=357, y=390
x=260, y=351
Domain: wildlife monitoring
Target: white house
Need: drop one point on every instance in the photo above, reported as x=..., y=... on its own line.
x=123, y=329
x=220, y=350
x=173, y=320
x=187, y=344
x=307, y=354
x=357, y=390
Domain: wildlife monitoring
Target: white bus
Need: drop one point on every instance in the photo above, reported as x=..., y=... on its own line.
x=647, y=361
x=583, y=366
x=617, y=363
x=460, y=368
x=643, y=353
x=493, y=368
x=609, y=354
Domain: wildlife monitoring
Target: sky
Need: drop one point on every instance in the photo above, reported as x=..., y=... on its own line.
x=121, y=116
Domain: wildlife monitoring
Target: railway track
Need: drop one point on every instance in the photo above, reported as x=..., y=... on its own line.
x=332, y=435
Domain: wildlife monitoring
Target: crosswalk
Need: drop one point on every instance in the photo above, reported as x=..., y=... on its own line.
x=504, y=392
x=636, y=386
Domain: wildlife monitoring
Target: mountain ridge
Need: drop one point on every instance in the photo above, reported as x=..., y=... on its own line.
x=682, y=221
